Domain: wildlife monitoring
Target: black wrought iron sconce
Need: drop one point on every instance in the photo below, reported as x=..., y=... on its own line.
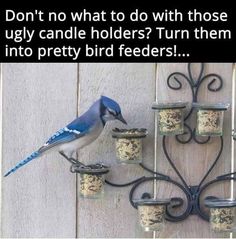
x=172, y=122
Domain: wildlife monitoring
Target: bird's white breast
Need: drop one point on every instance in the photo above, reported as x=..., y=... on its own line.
x=79, y=143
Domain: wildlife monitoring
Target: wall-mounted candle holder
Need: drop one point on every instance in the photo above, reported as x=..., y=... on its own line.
x=170, y=117
x=222, y=214
x=129, y=144
x=131, y=152
x=92, y=180
x=152, y=213
x=210, y=118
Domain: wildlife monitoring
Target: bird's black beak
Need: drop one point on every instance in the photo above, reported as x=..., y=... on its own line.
x=120, y=118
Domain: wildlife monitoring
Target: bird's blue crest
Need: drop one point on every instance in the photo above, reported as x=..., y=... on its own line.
x=109, y=103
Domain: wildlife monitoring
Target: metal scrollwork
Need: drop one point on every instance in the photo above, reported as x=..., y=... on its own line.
x=192, y=193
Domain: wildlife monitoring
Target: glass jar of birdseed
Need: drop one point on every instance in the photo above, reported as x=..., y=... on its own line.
x=92, y=180
x=151, y=213
x=170, y=117
x=128, y=143
x=222, y=214
x=210, y=118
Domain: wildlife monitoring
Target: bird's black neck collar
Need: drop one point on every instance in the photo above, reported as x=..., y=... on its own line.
x=102, y=113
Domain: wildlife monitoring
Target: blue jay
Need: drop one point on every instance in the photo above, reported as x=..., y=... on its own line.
x=80, y=132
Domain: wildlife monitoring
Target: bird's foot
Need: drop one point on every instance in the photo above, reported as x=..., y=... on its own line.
x=97, y=166
x=72, y=160
x=76, y=165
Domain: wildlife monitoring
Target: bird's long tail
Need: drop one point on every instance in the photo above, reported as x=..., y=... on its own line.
x=34, y=155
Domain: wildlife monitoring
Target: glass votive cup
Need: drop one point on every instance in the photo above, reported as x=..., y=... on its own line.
x=129, y=144
x=222, y=214
x=170, y=117
x=92, y=181
x=151, y=213
x=210, y=118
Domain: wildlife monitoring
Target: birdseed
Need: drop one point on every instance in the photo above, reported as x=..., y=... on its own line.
x=209, y=122
x=222, y=219
x=129, y=149
x=171, y=121
x=151, y=216
x=91, y=185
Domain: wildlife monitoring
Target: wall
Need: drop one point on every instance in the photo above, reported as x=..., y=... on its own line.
x=41, y=200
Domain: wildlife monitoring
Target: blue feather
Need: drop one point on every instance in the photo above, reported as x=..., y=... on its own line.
x=34, y=155
x=110, y=103
x=66, y=135
x=62, y=134
x=78, y=128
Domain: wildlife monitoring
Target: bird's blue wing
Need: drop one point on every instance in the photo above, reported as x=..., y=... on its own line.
x=65, y=135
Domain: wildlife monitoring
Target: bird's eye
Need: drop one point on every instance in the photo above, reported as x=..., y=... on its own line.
x=112, y=112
